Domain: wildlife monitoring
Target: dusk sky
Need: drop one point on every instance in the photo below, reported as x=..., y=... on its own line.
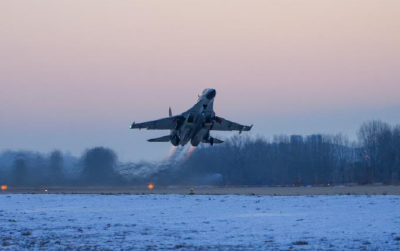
x=76, y=74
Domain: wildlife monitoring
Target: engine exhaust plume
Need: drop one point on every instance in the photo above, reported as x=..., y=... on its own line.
x=171, y=152
x=189, y=153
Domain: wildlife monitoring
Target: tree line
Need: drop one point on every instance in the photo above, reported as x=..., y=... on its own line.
x=97, y=166
x=281, y=161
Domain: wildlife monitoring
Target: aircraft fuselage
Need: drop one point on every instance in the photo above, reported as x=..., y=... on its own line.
x=197, y=124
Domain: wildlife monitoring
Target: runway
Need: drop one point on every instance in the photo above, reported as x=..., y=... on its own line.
x=227, y=190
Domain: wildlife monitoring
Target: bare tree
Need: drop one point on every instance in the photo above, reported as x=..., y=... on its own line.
x=374, y=136
x=56, y=162
x=98, y=166
x=20, y=171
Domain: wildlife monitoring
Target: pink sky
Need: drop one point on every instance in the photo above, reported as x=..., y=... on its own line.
x=75, y=74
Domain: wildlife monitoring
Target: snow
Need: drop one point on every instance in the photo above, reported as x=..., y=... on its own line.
x=215, y=222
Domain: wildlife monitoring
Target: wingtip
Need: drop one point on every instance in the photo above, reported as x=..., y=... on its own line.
x=245, y=128
x=132, y=125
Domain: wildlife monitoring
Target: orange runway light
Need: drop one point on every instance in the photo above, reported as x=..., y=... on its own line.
x=150, y=186
x=4, y=187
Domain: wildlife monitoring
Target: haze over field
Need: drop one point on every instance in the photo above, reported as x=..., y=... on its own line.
x=75, y=74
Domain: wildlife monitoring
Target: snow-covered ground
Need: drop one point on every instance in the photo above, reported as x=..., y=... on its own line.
x=169, y=222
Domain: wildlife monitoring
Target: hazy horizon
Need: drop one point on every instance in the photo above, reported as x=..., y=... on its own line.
x=76, y=74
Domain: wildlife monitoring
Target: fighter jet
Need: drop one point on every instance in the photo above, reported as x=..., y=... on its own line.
x=193, y=125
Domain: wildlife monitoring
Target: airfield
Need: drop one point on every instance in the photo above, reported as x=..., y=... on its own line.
x=225, y=218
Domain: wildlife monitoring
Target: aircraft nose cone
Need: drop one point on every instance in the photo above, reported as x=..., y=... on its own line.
x=211, y=94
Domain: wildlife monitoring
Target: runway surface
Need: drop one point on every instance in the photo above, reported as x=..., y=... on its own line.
x=199, y=222
x=227, y=190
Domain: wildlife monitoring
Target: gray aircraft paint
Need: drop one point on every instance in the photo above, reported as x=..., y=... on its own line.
x=193, y=125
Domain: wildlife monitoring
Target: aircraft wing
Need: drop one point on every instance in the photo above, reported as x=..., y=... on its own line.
x=221, y=124
x=169, y=123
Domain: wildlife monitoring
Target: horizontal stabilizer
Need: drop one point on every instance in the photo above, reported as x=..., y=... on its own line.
x=218, y=141
x=161, y=139
x=212, y=141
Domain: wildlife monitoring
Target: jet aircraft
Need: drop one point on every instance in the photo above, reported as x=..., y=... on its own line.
x=193, y=125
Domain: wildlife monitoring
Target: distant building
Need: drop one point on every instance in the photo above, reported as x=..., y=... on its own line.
x=296, y=139
x=314, y=139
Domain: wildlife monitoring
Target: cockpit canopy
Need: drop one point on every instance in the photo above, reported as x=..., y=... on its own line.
x=209, y=93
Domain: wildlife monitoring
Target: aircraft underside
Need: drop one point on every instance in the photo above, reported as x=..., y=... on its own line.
x=194, y=125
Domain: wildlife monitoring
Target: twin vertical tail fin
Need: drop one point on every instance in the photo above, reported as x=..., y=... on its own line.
x=170, y=112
